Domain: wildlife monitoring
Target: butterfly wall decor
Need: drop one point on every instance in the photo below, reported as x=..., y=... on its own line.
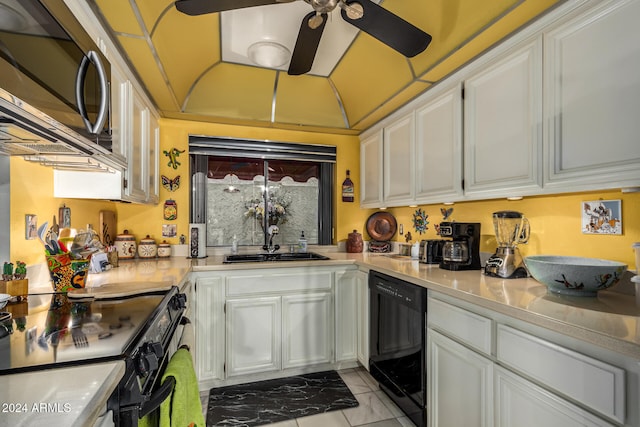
x=171, y=184
x=446, y=213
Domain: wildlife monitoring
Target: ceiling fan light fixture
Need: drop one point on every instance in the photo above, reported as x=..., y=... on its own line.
x=268, y=54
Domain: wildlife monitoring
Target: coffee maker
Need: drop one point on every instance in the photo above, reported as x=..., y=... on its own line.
x=462, y=252
x=511, y=228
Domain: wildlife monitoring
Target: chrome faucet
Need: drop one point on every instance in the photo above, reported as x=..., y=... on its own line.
x=271, y=248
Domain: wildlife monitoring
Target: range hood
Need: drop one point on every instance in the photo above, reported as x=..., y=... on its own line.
x=26, y=131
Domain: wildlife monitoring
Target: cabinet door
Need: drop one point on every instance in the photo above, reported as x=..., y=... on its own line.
x=460, y=384
x=439, y=148
x=592, y=78
x=120, y=92
x=371, y=171
x=307, y=329
x=502, y=126
x=253, y=335
x=524, y=404
x=399, y=161
x=362, y=285
x=209, y=329
x=346, y=329
x=138, y=170
x=153, y=192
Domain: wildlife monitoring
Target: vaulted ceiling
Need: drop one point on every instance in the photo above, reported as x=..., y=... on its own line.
x=179, y=60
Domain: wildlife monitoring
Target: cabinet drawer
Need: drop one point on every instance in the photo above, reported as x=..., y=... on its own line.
x=278, y=283
x=469, y=328
x=591, y=382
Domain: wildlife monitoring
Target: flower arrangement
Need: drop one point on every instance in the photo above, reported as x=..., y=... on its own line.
x=277, y=210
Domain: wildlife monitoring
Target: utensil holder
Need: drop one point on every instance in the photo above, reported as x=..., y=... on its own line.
x=67, y=273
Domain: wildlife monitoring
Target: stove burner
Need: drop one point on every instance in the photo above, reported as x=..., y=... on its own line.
x=115, y=326
x=124, y=318
x=104, y=335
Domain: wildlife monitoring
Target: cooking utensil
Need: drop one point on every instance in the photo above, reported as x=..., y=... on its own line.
x=55, y=228
x=79, y=338
x=42, y=232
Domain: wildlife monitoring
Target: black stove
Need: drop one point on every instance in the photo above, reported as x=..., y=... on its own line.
x=53, y=330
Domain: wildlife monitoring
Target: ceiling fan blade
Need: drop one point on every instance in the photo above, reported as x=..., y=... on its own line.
x=307, y=43
x=201, y=7
x=387, y=27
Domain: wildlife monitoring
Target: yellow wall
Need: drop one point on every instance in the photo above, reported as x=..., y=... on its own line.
x=143, y=220
x=31, y=192
x=555, y=224
x=555, y=220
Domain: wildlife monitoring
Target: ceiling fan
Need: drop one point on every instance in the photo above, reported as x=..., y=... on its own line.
x=366, y=15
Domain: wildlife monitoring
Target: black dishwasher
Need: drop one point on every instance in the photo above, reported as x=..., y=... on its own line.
x=397, y=321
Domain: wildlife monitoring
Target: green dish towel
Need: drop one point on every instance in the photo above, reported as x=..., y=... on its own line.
x=182, y=408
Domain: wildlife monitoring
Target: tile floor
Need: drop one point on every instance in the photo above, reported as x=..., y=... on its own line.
x=375, y=409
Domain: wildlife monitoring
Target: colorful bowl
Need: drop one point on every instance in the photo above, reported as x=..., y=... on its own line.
x=576, y=276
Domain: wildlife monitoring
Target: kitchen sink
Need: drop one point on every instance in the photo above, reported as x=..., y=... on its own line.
x=263, y=257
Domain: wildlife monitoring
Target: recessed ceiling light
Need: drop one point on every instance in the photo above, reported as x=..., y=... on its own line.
x=268, y=54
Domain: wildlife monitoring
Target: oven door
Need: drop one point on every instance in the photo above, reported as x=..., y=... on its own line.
x=141, y=390
x=397, y=341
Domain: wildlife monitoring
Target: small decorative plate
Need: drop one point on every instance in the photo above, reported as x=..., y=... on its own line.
x=420, y=221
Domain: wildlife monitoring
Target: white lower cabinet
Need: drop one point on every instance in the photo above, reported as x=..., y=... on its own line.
x=209, y=322
x=268, y=322
x=521, y=403
x=486, y=369
x=253, y=329
x=460, y=384
x=362, y=304
x=273, y=333
x=307, y=325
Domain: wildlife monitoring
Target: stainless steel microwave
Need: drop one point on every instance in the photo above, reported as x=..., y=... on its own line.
x=49, y=63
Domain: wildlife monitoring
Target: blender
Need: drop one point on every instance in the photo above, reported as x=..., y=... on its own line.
x=511, y=228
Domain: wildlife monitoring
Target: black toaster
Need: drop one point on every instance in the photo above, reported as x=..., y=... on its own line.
x=431, y=252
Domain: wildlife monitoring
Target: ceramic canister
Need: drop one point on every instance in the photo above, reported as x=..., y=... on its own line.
x=354, y=242
x=147, y=248
x=164, y=250
x=126, y=245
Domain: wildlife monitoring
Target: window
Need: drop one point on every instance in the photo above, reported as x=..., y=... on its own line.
x=234, y=180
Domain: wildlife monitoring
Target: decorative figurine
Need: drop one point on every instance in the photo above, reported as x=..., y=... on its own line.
x=171, y=184
x=170, y=210
x=420, y=220
x=173, y=157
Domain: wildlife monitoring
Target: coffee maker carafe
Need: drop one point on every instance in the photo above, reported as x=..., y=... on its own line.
x=512, y=228
x=462, y=252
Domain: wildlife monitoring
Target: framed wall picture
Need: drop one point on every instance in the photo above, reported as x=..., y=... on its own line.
x=31, y=226
x=602, y=217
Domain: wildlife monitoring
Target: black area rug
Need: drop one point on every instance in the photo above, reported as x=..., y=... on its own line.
x=271, y=401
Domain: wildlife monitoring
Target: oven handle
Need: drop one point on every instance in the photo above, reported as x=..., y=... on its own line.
x=158, y=396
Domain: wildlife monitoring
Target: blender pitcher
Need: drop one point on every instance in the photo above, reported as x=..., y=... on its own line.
x=511, y=228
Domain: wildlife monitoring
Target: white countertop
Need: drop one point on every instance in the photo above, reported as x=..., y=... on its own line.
x=73, y=396
x=610, y=320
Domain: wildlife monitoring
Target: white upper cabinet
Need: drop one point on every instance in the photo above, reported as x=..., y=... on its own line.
x=438, y=148
x=371, y=171
x=138, y=158
x=398, y=159
x=502, y=125
x=592, y=79
x=153, y=177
